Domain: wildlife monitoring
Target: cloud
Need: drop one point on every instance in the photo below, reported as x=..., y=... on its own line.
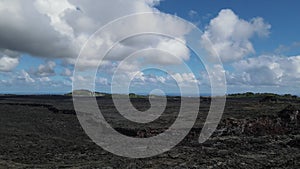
x=102, y=81
x=44, y=79
x=8, y=60
x=284, y=48
x=24, y=77
x=161, y=79
x=8, y=63
x=175, y=48
x=95, y=14
x=229, y=36
x=192, y=13
x=67, y=72
x=216, y=76
x=58, y=29
x=25, y=29
x=44, y=70
x=156, y=50
x=5, y=83
x=55, y=10
x=23, y=81
x=150, y=78
x=185, y=78
x=266, y=71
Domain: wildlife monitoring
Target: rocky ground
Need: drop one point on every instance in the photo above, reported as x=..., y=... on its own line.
x=255, y=132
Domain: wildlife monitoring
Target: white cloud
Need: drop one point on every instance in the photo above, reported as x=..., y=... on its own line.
x=216, y=76
x=266, y=71
x=55, y=10
x=102, y=81
x=25, y=81
x=192, y=13
x=184, y=78
x=25, y=77
x=25, y=29
x=8, y=63
x=58, y=29
x=161, y=79
x=287, y=48
x=229, y=36
x=47, y=69
x=67, y=72
x=175, y=48
x=44, y=79
x=8, y=60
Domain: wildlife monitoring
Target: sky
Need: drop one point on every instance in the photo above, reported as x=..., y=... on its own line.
x=42, y=42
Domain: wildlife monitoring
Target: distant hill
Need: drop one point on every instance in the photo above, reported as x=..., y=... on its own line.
x=84, y=92
x=267, y=95
x=264, y=96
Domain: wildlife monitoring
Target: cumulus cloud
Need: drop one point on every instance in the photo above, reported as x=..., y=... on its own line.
x=47, y=69
x=185, y=78
x=67, y=72
x=150, y=78
x=55, y=10
x=216, y=76
x=44, y=79
x=25, y=77
x=102, y=81
x=266, y=71
x=25, y=29
x=229, y=36
x=21, y=81
x=58, y=29
x=8, y=63
x=151, y=50
x=174, y=48
x=8, y=60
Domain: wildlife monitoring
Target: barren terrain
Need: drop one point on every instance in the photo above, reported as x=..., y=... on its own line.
x=255, y=132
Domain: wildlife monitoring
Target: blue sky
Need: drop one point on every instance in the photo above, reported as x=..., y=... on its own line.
x=282, y=15
x=257, y=41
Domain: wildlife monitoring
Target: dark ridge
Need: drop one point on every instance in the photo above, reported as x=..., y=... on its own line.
x=49, y=107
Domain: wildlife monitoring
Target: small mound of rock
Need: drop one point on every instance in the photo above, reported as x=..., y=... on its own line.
x=289, y=114
x=286, y=121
